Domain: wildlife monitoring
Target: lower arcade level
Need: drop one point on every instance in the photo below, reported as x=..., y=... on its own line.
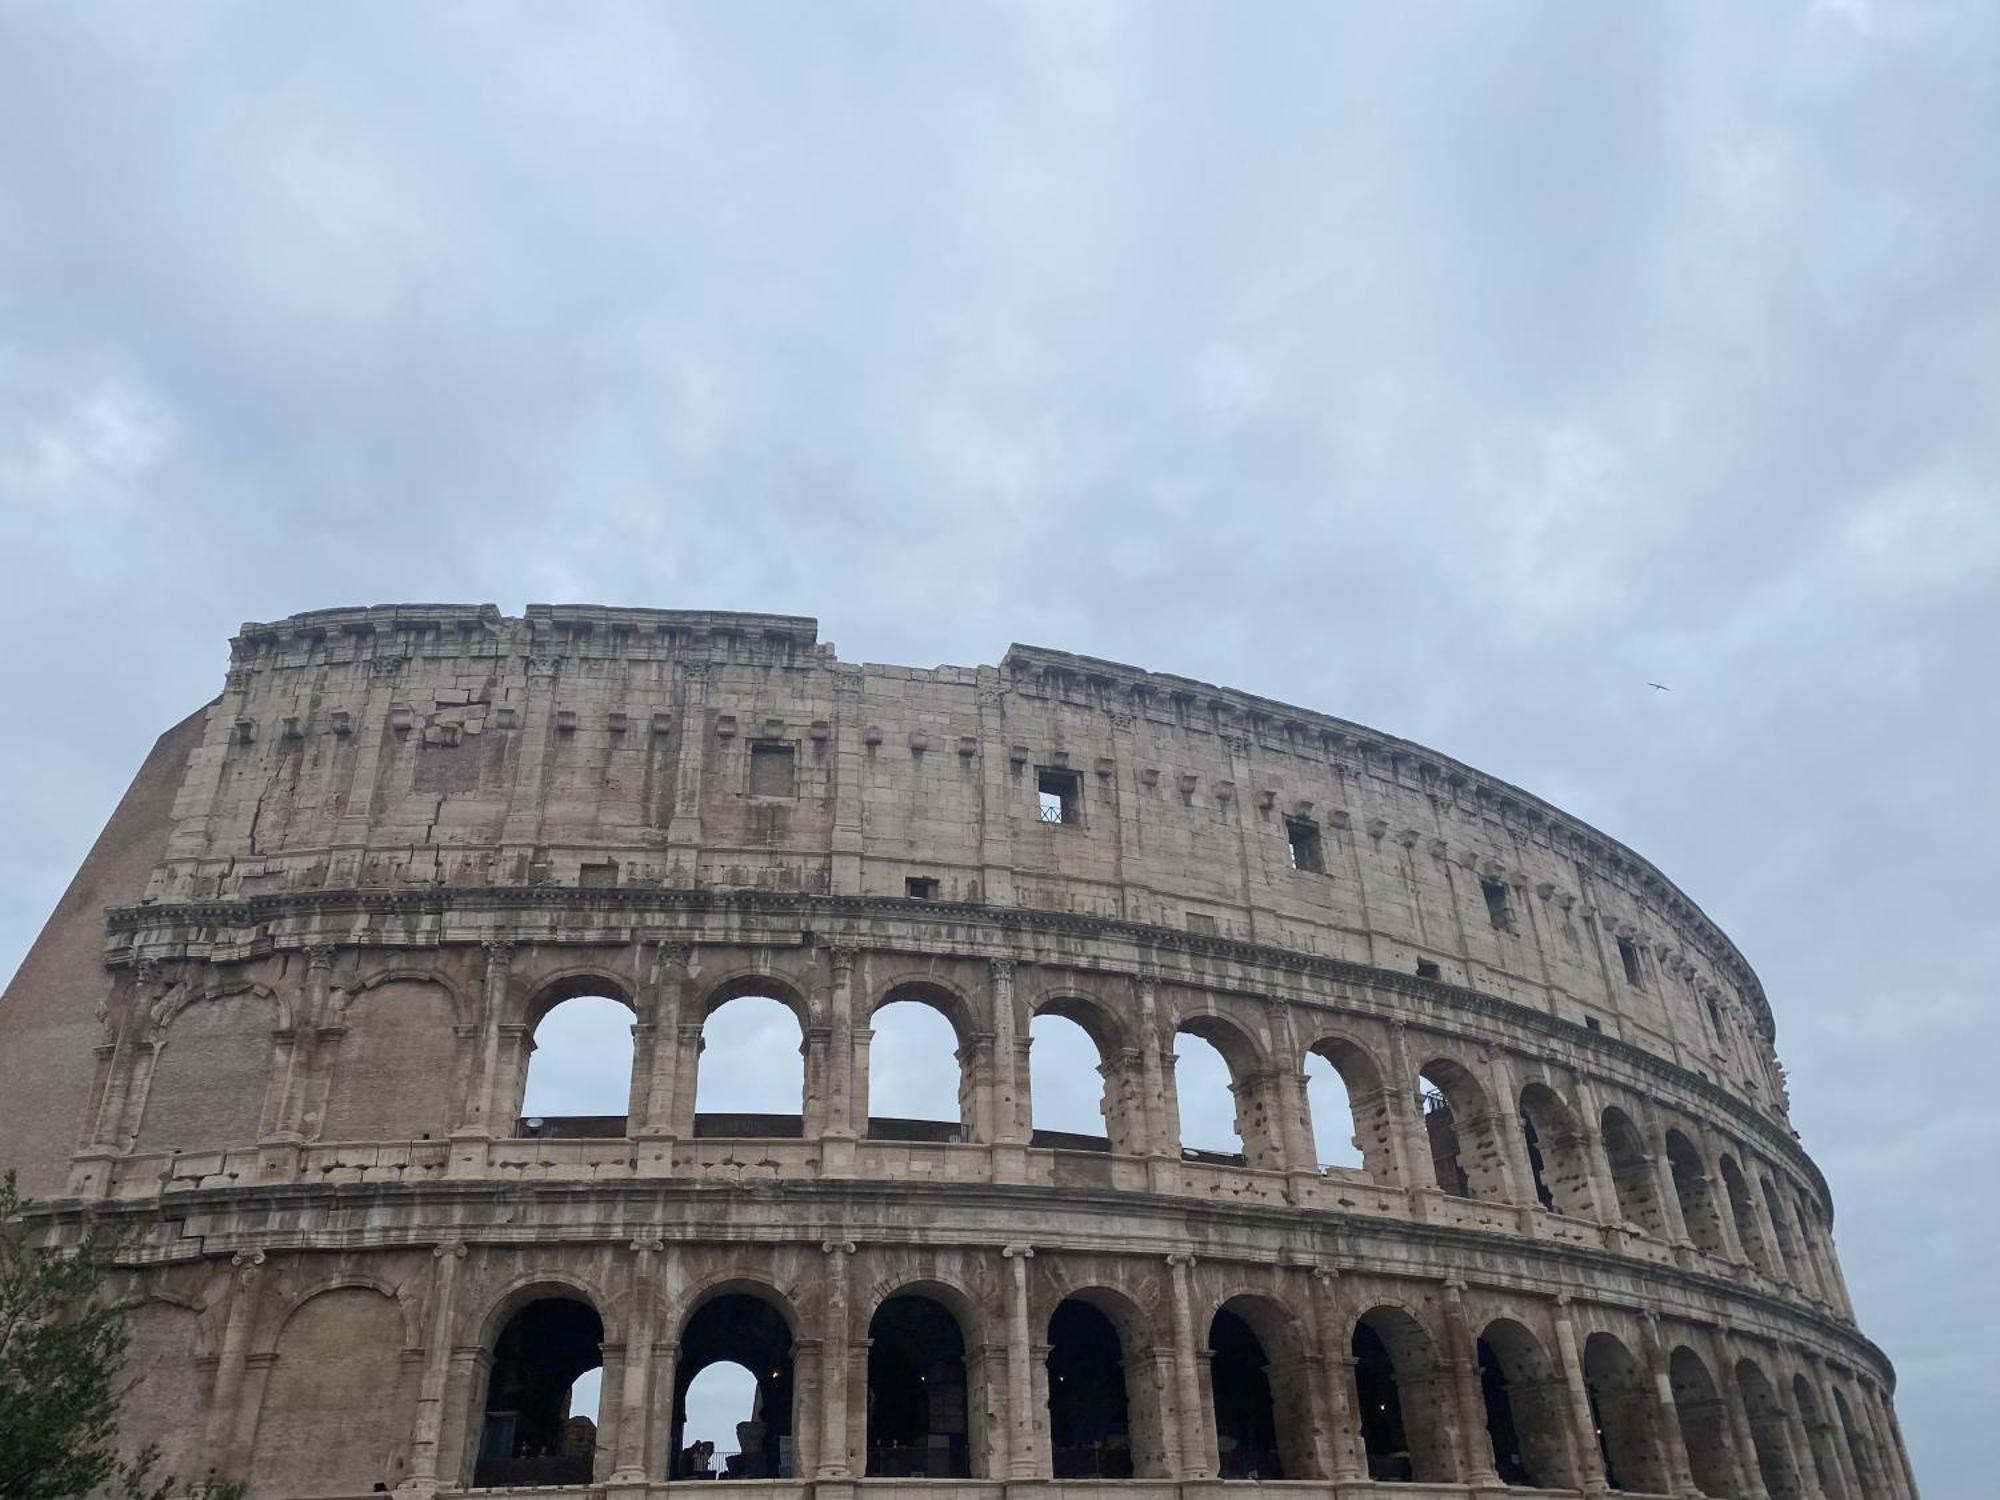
x=1062, y=1347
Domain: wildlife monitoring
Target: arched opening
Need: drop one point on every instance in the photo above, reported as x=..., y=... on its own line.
x=1525, y=1408
x=533, y=1431
x=1205, y=1095
x=1819, y=1435
x=1066, y=1092
x=1622, y=1407
x=1344, y=1092
x=1743, y=1212
x=336, y=1394
x=917, y=1404
x=579, y=1080
x=1695, y=1192
x=1397, y=1400
x=917, y=1088
x=733, y=1391
x=1704, y=1423
x=1632, y=1176
x=1246, y=1410
x=751, y=1081
x=1557, y=1158
x=1788, y=1243
x=1767, y=1433
x=1090, y=1419
x=1466, y=1154
x=1867, y=1472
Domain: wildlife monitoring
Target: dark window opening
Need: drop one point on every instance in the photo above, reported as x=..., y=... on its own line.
x=1426, y=969
x=597, y=877
x=1303, y=845
x=1715, y=1019
x=1246, y=1425
x=1382, y=1435
x=1059, y=795
x=1591, y=1023
x=1200, y=921
x=920, y=888
x=528, y=1436
x=1498, y=911
x=1442, y=1134
x=1501, y=1427
x=1090, y=1433
x=739, y=1329
x=916, y=1392
x=1629, y=955
x=773, y=771
x=1535, y=1164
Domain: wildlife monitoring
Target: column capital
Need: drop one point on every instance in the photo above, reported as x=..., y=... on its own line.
x=319, y=957
x=453, y=1248
x=1022, y=1252
x=499, y=951
x=836, y=1247
x=840, y=958
x=641, y=1248
x=1002, y=969
x=1183, y=1258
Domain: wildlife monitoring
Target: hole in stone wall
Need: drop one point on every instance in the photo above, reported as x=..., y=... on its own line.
x=1303, y=845
x=1058, y=795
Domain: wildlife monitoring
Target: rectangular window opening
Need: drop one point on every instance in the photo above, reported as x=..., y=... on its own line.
x=773, y=771
x=920, y=887
x=1303, y=844
x=1426, y=969
x=1498, y=910
x=1200, y=921
x=1058, y=795
x=1592, y=1023
x=1629, y=954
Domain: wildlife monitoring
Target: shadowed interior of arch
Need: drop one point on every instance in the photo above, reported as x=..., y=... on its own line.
x=1090, y=1427
x=750, y=1080
x=579, y=1075
x=918, y=1406
x=533, y=1430
x=733, y=1396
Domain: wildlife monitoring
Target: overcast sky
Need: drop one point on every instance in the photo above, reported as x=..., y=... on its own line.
x=1457, y=371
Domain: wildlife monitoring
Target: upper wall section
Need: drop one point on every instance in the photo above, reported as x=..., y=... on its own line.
x=451, y=746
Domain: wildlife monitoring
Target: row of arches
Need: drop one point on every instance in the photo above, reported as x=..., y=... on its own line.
x=400, y=1056
x=1386, y=1391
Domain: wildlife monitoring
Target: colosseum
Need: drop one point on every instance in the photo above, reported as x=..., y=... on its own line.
x=282, y=1023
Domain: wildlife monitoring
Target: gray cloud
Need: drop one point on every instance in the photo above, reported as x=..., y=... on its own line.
x=1457, y=372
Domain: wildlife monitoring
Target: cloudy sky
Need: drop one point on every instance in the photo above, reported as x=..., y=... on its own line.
x=1455, y=370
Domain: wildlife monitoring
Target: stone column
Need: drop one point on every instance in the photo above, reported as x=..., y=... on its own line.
x=836, y=1337
x=303, y=1062
x=1154, y=1131
x=1515, y=1169
x=220, y=1452
x=1008, y=1095
x=1194, y=1421
x=1680, y=1476
x=1020, y=1374
x=1669, y=1193
x=1852, y=1482
x=1462, y=1356
x=110, y=1132
x=1337, y=1361
x=1589, y=1452
x=437, y=1367
x=655, y=1112
x=1407, y=1117
x=687, y=1047
x=1750, y=1474
x=633, y=1436
x=1876, y=1413
x=479, y=1118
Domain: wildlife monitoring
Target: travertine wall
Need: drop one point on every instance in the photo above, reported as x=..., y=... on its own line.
x=405, y=834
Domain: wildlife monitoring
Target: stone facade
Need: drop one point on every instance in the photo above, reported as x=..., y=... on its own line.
x=1584, y=1250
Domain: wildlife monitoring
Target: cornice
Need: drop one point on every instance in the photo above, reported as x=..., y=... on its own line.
x=818, y=914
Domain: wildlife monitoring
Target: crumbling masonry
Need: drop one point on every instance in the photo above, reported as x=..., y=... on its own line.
x=282, y=1020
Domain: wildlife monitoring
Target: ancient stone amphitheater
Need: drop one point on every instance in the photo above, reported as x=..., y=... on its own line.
x=281, y=1025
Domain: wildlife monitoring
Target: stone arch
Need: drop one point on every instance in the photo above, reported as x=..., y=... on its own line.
x=1625, y=1408
x=967, y=1036
x=1527, y=1408
x=463, y=1011
x=1401, y=1398
x=1819, y=1438
x=1369, y=1105
x=395, y=1065
x=1103, y=1032
x=741, y=1321
x=211, y=1076
x=185, y=996
x=338, y=1398
x=1558, y=1155
x=545, y=1060
x=1468, y=1157
x=541, y=1332
x=1696, y=1192
x=1113, y=1427
x=280, y=1313
x=574, y=982
x=741, y=983
x=1768, y=1435
x=1704, y=1422
x=925, y=1404
x=1789, y=1251
x=1743, y=1213
x=1260, y=1390
x=1633, y=1177
x=1255, y=1119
